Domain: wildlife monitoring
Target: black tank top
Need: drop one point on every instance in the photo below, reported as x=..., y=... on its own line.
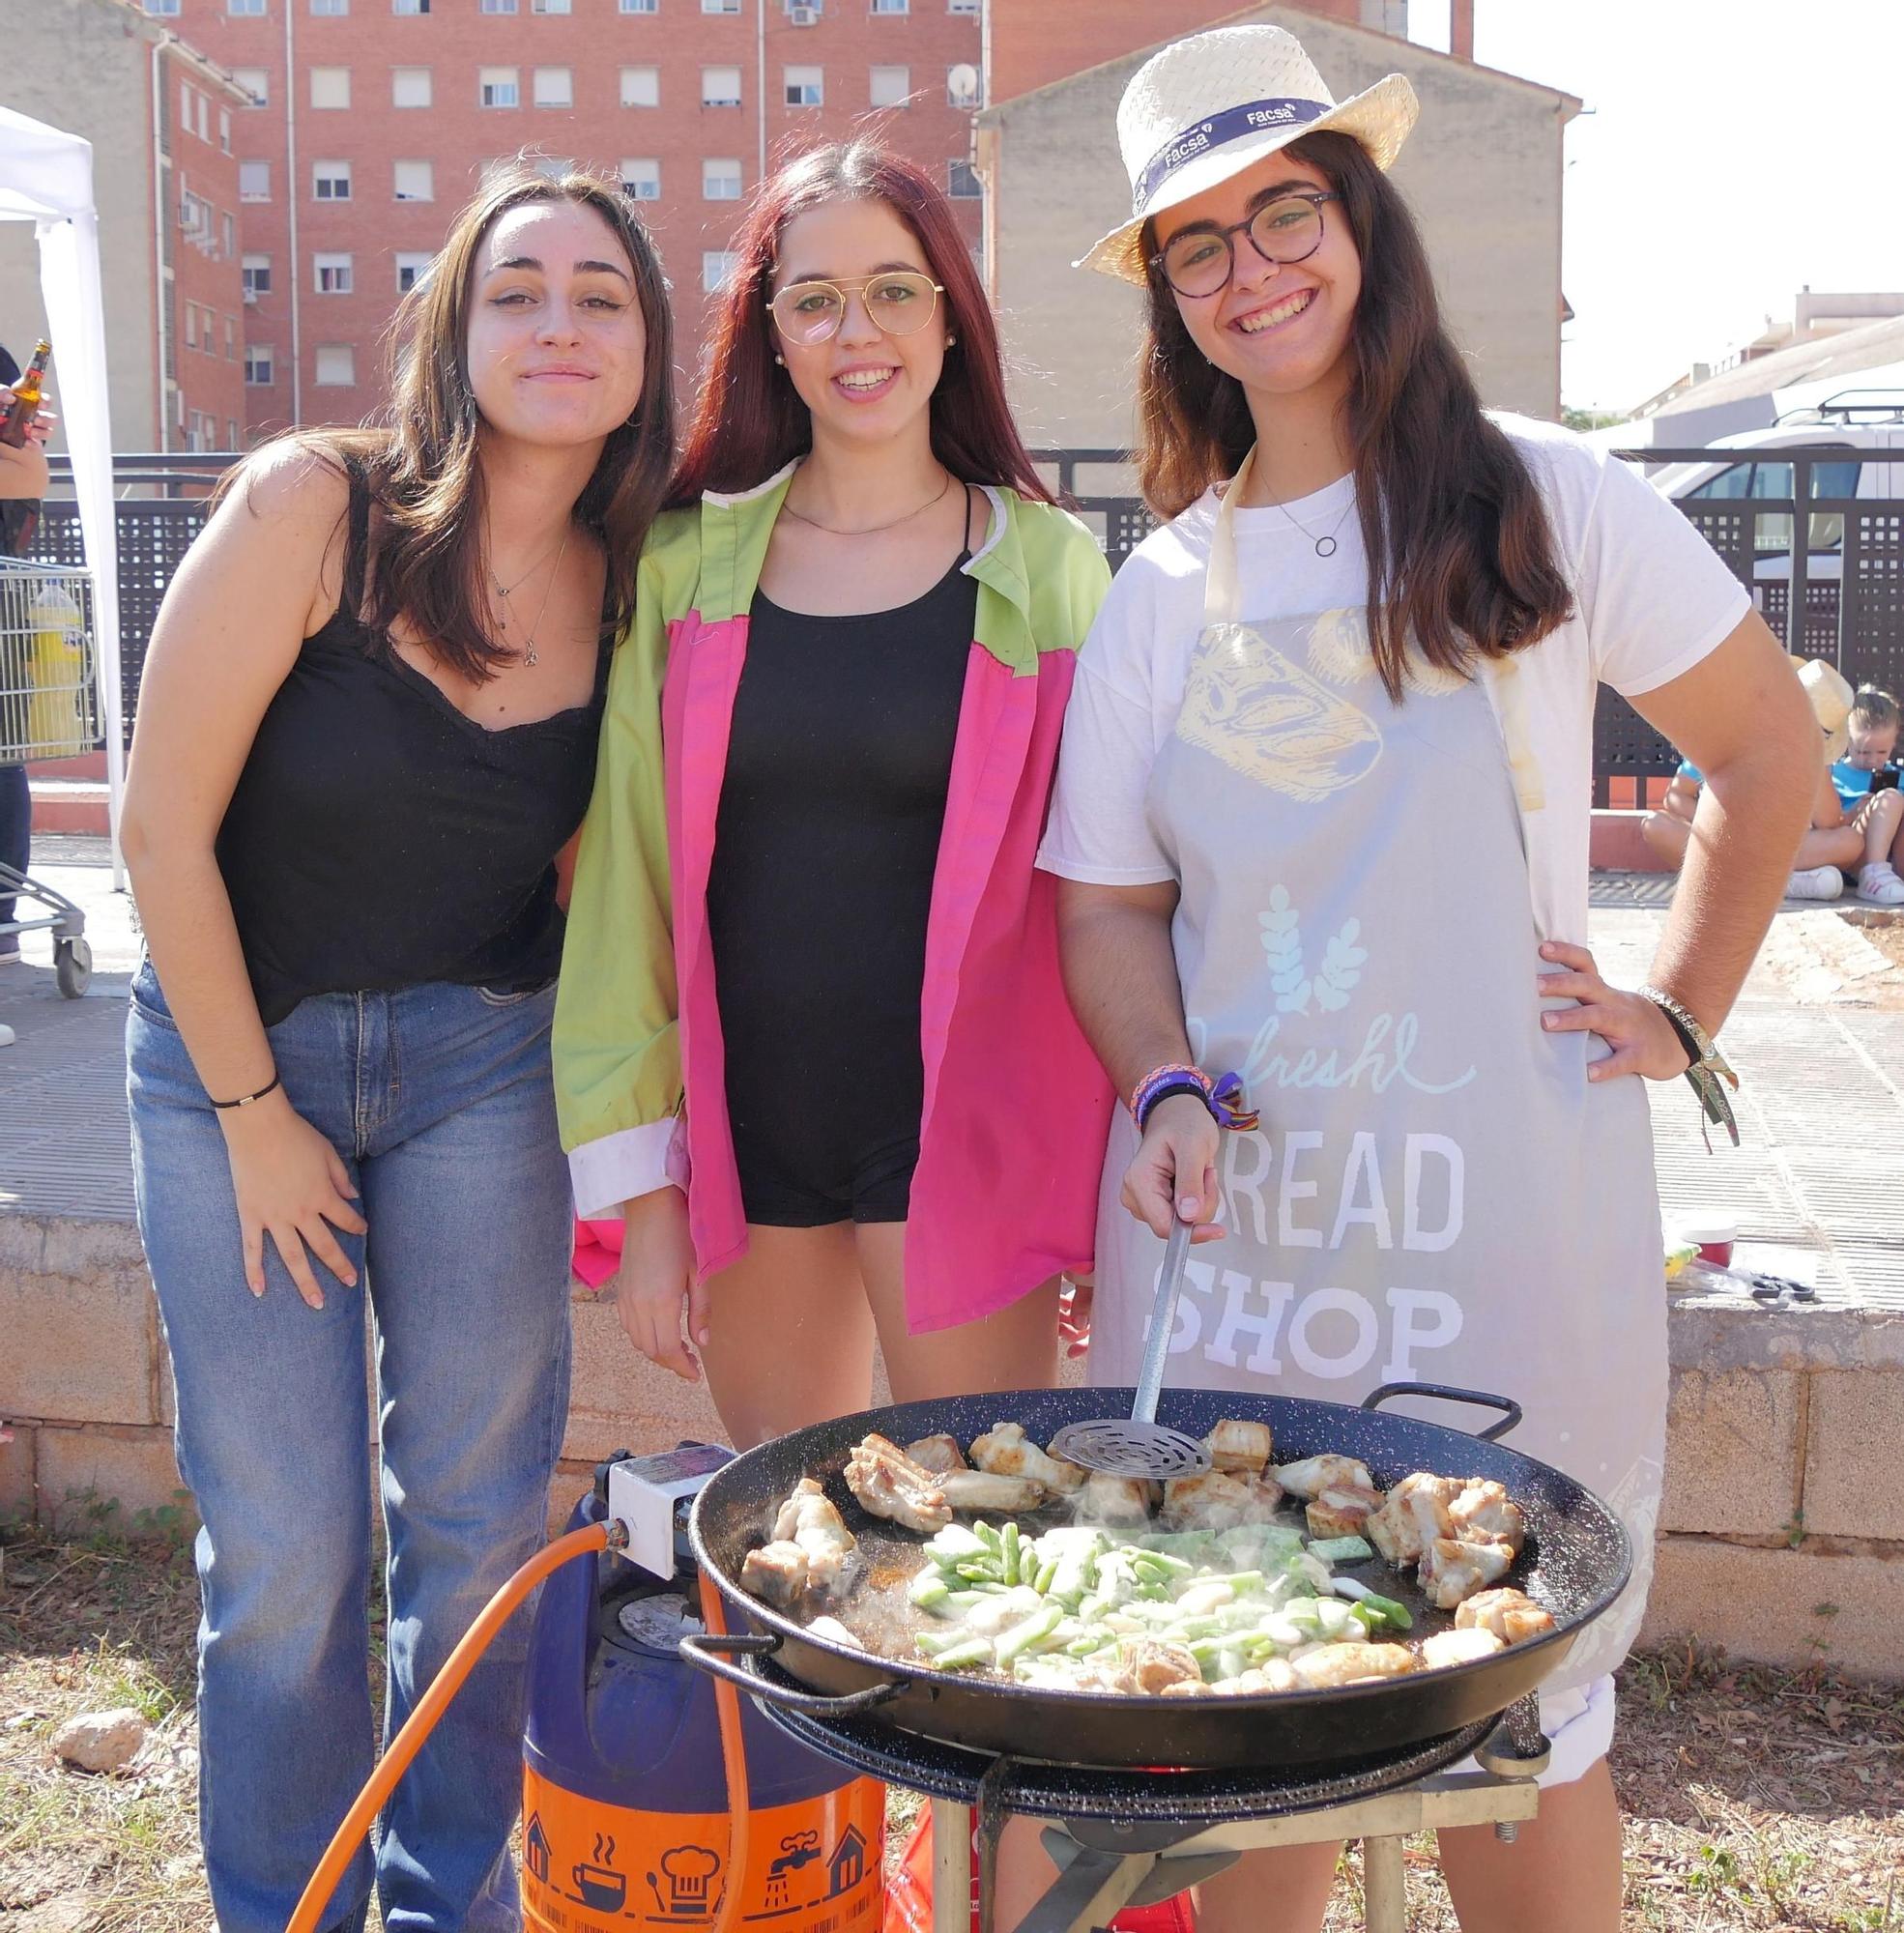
x=833, y=805
x=378, y=839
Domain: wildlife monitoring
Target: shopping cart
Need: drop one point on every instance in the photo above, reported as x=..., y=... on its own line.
x=48, y=710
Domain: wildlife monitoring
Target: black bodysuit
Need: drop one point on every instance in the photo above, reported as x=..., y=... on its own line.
x=824, y=852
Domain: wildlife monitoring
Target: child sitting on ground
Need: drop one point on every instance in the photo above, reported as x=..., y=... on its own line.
x=1832, y=846
x=1876, y=815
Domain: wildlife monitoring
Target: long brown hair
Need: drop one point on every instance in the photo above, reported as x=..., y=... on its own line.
x=749, y=421
x=1460, y=553
x=420, y=466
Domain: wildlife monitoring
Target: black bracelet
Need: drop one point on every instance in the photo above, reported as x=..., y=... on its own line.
x=246, y=1099
x=1185, y=1085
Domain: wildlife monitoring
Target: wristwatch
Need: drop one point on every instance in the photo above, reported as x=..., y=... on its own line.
x=1708, y=1071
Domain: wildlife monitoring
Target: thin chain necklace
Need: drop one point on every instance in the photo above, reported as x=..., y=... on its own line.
x=531, y=656
x=1324, y=546
x=875, y=528
x=509, y=589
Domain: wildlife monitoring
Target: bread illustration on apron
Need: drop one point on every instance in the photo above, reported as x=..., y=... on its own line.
x=1265, y=717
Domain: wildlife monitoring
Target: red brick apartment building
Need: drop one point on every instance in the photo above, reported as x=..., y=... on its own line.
x=376, y=118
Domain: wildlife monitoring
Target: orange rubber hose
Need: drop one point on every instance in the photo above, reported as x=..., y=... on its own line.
x=421, y=1721
x=733, y=1762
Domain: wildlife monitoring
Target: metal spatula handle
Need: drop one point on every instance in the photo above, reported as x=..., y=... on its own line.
x=1163, y=1320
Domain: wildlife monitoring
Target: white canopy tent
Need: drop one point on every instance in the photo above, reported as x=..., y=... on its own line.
x=46, y=178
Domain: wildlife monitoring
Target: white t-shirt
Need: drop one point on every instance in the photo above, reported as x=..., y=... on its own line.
x=1651, y=599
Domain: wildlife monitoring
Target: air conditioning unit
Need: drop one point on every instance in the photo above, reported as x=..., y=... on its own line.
x=250, y=297
x=803, y=17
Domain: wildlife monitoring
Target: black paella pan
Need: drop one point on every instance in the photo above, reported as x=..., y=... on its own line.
x=1576, y=1561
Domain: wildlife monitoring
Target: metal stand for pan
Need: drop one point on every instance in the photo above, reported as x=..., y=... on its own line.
x=1123, y=1838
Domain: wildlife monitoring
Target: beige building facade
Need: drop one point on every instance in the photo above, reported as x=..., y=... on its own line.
x=1483, y=171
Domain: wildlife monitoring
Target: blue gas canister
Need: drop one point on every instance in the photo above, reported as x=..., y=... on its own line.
x=624, y=1807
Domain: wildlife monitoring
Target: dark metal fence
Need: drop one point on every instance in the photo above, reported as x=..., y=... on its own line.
x=1847, y=580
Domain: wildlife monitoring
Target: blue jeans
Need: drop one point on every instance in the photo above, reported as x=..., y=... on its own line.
x=15, y=838
x=439, y=1100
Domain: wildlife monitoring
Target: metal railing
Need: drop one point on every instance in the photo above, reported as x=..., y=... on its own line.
x=1840, y=596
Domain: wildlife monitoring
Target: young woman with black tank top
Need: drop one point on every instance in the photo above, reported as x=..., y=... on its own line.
x=366, y=731
x=849, y=1101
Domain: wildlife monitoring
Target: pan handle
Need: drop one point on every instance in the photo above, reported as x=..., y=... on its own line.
x=1512, y=1411
x=701, y=1649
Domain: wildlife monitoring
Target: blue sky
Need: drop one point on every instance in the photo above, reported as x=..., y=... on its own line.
x=1734, y=151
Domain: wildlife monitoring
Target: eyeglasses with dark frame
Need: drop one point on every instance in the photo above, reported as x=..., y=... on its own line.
x=901, y=301
x=1284, y=231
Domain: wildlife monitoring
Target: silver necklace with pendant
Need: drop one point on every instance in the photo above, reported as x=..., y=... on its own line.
x=1323, y=546
x=531, y=656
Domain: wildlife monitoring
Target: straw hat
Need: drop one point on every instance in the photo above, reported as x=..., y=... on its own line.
x=1211, y=105
x=1832, y=699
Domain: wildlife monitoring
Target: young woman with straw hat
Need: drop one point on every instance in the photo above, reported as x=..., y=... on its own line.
x=1322, y=815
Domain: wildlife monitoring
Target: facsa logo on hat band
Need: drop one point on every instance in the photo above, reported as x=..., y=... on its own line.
x=1231, y=124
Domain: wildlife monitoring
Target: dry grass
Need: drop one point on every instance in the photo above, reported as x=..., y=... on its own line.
x=1757, y=1802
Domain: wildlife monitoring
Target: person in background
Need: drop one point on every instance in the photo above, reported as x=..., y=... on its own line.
x=1832, y=845
x=852, y=1098
x=365, y=733
x=1875, y=810
x=23, y=482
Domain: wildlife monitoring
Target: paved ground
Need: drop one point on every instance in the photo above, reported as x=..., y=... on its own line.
x=1819, y=1036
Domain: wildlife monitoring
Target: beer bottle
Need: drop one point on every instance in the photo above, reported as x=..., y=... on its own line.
x=27, y=391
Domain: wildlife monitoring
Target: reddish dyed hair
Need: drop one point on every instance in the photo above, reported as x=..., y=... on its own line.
x=750, y=421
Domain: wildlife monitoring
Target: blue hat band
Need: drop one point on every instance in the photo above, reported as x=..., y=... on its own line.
x=1253, y=117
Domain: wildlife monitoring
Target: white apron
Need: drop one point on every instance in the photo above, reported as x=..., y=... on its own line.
x=1436, y=1192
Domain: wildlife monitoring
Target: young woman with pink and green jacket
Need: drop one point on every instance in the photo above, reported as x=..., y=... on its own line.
x=812, y=1044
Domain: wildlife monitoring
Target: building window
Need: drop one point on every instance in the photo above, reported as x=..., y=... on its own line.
x=641, y=180
x=716, y=266
x=962, y=182
x=192, y=325
x=329, y=9
x=256, y=82
x=500, y=86
x=256, y=271
x=891, y=5
x=720, y=87
x=804, y=13
x=553, y=87
x=185, y=105
x=641, y=86
x=412, y=266
x=550, y=7
x=254, y=181
x=962, y=6
x=336, y=366
x=554, y=167
x=720, y=6
x=416, y=180
x=499, y=6
x=962, y=86
x=230, y=228
x=890, y=86
x=231, y=432
x=166, y=10
x=245, y=10
x=720, y=181
x=224, y=128
x=410, y=87
x=231, y=340
x=805, y=86
x=257, y=364
x=409, y=6
x=332, y=275
x=329, y=87
x=331, y=180
x=640, y=6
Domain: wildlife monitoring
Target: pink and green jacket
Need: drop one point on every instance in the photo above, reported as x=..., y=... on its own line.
x=1011, y=1142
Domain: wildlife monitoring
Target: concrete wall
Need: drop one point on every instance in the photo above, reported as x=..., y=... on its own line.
x=88, y=74
x=1482, y=170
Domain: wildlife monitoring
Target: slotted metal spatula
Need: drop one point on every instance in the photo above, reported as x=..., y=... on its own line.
x=1139, y=1445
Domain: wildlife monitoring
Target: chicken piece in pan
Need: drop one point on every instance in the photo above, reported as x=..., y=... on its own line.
x=1157, y=1663
x=1324, y=1666
x=1314, y=1475
x=888, y=1483
x=937, y=1454
x=1118, y=1503
x=808, y=1519
x=1343, y=1512
x=1242, y=1445
x=1219, y=1500
x=1414, y=1514
x=1459, y=1647
x=1453, y=1570
x=1483, y=1512
x=1512, y=1615
x=1005, y=1451
x=777, y=1573
x=971, y=1490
